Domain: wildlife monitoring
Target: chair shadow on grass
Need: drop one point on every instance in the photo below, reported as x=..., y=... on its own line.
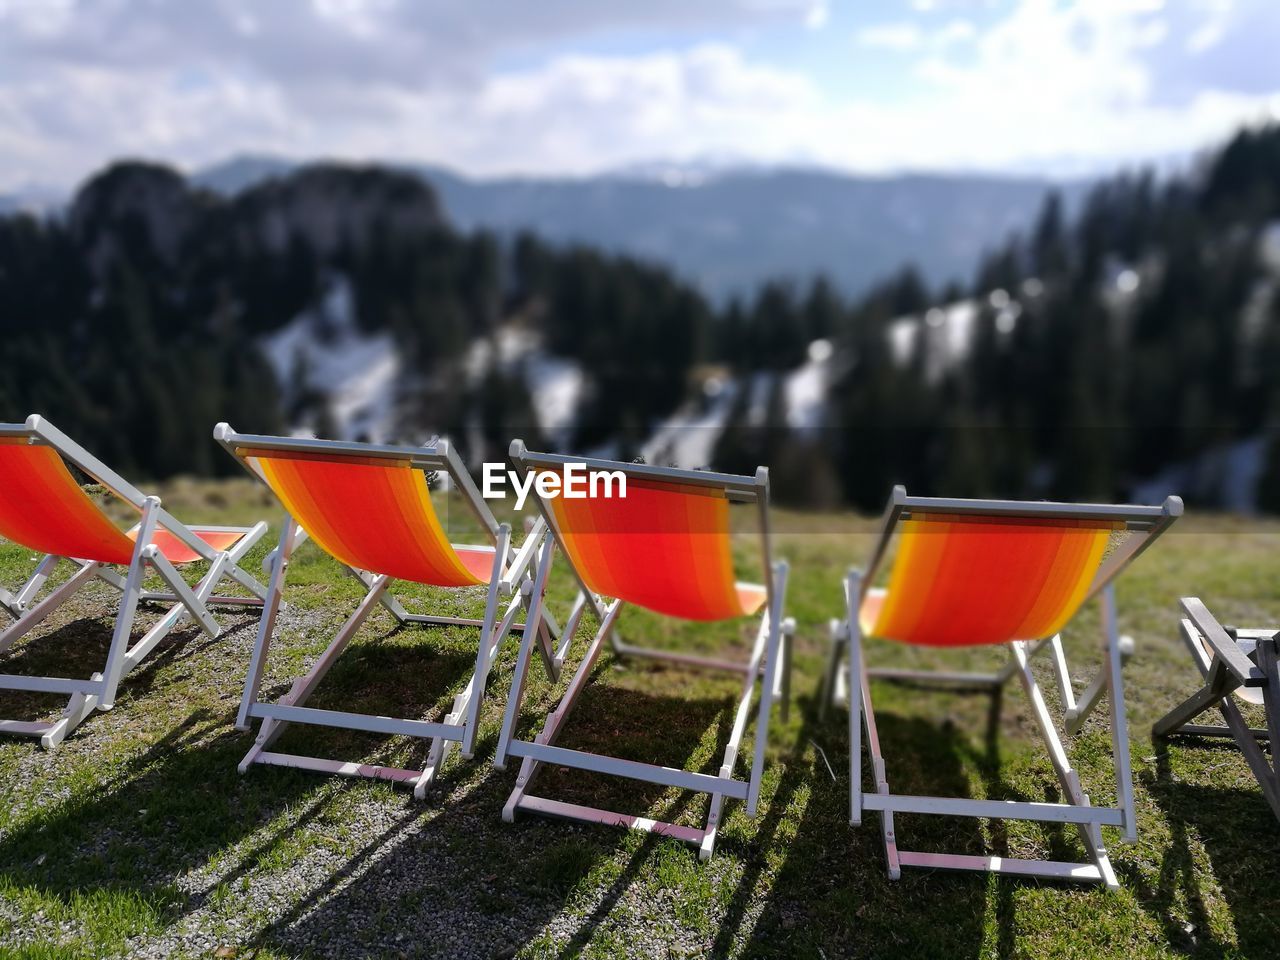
x=160, y=813
x=457, y=857
x=832, y=896
x=180, y=802
x=171, y=808
x=384, y=677
x=1240, y=837
x=78, y=649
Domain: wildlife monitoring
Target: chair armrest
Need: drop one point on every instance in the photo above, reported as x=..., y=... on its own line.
x=1224, y=646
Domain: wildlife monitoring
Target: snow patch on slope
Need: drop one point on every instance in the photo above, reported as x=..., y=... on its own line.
x=555, y=386
x=688, y=437
x=805, y=389
x=945, y=333
x=356, y=372
x=554, y=383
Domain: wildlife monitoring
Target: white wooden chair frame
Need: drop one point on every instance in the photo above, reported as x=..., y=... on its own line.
x=99, y=691
x=508, y=579
x=848, y=679
x=1231, y=661
x=770, y=658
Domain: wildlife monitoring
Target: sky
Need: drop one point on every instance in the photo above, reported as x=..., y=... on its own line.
x=575, y=87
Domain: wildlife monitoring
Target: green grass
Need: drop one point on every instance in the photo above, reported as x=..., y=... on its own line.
x=138, y=830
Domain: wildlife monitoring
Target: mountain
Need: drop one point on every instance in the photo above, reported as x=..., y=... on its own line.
x=240, y=172
x=1121, y=351
x=37, y=199
x=729, y=230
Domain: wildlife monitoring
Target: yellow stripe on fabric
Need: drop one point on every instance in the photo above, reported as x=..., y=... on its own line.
x=1084, y=551
x=426, y=512
x=286, y=485
x=407, y=541
x=920, y=550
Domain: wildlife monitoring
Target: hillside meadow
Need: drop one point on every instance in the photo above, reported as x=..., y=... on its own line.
x=137, y=837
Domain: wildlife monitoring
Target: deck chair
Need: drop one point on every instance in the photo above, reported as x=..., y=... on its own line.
x=1239, y=665
x=369, y=508
x=43, y=507
x=665, y=546
x=973, y=572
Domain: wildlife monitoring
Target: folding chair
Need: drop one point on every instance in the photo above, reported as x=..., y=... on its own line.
x=43, y=507
x=971, y=572
x=1235, y=664
x=665, y=546
x=369, y=508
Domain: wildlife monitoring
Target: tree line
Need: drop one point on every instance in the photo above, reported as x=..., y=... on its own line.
x=1085, y=356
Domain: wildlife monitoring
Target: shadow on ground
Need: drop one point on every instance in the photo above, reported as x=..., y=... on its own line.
x=78, y=649
x=828, y=894
x=452, y=879
x=1241, y=839
x=178, y=804
x=169, y=810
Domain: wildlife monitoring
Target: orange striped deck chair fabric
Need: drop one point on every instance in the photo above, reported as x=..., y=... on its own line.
x=665, y=547
x=372, y=515
x=960, y=581
x=44, y=508
x=369, y=507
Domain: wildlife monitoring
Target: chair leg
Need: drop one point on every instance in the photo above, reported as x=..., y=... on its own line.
x=1218, y=686
x=788, y=649
x=1090, y=834
x=1263, y=770
x=79, y=708
x=770, y=683
x=1114, y=653
x=835, y=655
x=439, y=751
x=879, y=773
x=15, y=603
x=267, y=622
x=857, y=704
x=715, y=807
x=528, y=766
x=718, y=788
x=37, y=580
x=305, y=685
x=128, y=605
x=9, y=604
x=440, y=746
x=475, y=690
x=532, y=621
x=1268, y=658
x=862, y=708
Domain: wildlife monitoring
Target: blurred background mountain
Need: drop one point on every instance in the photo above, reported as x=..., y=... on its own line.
x=730, y=228
x=976, y=336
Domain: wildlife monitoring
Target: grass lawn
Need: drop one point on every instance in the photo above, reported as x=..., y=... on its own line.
x=138, y=837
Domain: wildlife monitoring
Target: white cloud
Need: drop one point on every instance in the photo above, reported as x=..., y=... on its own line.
x=1052, y=81
x=903, y=35
x=907, y=36
x=1043, y=84
x=580, y=114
